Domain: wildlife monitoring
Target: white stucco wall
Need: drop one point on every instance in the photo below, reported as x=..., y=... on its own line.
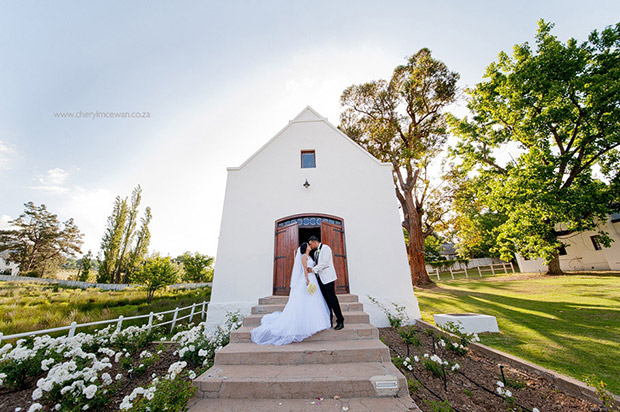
x=13, y=267
x=347, y=182
x=581, y=254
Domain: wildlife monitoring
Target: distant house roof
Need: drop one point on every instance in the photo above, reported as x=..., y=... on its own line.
x=448, y=249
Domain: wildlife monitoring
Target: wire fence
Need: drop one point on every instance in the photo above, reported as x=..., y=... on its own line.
x=195, y=309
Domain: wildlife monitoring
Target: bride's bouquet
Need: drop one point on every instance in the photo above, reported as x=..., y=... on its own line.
x=311, y=288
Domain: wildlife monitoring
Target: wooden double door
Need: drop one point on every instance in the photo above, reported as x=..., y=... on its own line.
x=292, y=232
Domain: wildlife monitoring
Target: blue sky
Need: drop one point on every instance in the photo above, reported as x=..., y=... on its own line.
x=218, y=79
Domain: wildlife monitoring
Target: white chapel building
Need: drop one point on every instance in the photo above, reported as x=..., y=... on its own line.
x=311, y=179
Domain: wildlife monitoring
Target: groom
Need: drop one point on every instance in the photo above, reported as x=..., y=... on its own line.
x=326, y=276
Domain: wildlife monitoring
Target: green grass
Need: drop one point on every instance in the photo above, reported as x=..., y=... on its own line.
x=33, y=306
x=570, y=324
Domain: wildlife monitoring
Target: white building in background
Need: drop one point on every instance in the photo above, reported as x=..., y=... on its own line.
x=584, y=251
x=310, y=179
x=6, y=266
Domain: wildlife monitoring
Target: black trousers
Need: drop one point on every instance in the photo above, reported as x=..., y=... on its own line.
x=329, y=293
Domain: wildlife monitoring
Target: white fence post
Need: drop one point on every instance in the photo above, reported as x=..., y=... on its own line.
x=512, y=267
x=119, y=324
x=479, y=271
x=72, y=330
x=504, y=266
x=150, y=320
x=466, y=274
x=492, y=270
x=174, y=319
x=191, y=314
x=437, y=271
x=1, y=334
x=204, y=313
x=451, y=274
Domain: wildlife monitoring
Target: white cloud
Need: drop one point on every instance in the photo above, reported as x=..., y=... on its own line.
x=7, y=153
x=89, y=208
x=4, y=222
x=53, y=181
x=55, y=176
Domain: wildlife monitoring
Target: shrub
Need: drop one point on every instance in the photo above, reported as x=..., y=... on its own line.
x=156, y=273
x=437, y=406
x=410, y=335
x=397, y=319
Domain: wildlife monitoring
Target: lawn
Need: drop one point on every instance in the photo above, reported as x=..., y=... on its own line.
x=28, y=307
x=570, y=324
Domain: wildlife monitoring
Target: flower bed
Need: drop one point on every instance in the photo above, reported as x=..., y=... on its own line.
x=108, y=370
x=443, y=375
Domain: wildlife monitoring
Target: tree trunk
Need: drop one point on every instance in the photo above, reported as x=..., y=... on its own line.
x=554, y=268
x=415, y=250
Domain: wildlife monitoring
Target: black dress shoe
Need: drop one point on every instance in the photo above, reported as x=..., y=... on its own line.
x=339, y=326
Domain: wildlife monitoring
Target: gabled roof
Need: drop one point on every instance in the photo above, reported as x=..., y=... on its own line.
x=308, y=115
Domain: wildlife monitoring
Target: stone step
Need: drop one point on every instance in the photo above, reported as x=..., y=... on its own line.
x=303, y=405
x=351, y=380
x=344, y=307
x=281, y=300
x=306, y=352
x=350, y=332
x=349, y=317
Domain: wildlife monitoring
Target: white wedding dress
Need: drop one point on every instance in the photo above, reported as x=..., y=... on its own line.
x=303, y=316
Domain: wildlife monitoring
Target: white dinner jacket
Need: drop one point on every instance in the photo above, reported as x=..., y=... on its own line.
x=325, y=265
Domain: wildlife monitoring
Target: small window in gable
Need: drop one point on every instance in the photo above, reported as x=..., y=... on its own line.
x=308, y=159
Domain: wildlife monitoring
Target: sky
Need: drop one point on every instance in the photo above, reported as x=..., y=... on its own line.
x=217, y=80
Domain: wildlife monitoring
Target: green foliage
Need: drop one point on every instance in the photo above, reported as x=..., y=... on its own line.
x=433, y=367
x=410, y=335
x=401, y=121
x=196, y=267
x=121, y=255
x=398, y=362
x=476, y=226
x=413, y=384
x=433, y=248
x=171, y=395
x=514, y=383
x=38, y=241
x=558, y=102
x=397, y=319
x=156, y=273
x=198, y=347
x=18, y=373
x=437, y=406
x=85, y=266
x=468, y=392
x=607, y=399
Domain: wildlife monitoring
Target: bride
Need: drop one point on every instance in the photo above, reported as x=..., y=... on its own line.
x=304, y=315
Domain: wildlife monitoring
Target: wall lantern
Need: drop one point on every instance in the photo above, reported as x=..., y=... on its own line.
x=306, y=185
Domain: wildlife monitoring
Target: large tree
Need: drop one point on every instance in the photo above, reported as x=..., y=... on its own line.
x=38, y=241
x=196, y=267
x=555, y=108
x=401, y=121
x=121, y=255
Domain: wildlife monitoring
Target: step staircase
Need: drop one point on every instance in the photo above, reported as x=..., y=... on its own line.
x=345, y=370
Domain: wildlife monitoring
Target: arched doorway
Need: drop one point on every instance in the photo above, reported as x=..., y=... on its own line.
x=292, y=231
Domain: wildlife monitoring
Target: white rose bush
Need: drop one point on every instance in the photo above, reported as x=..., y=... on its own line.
x=85, y=371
